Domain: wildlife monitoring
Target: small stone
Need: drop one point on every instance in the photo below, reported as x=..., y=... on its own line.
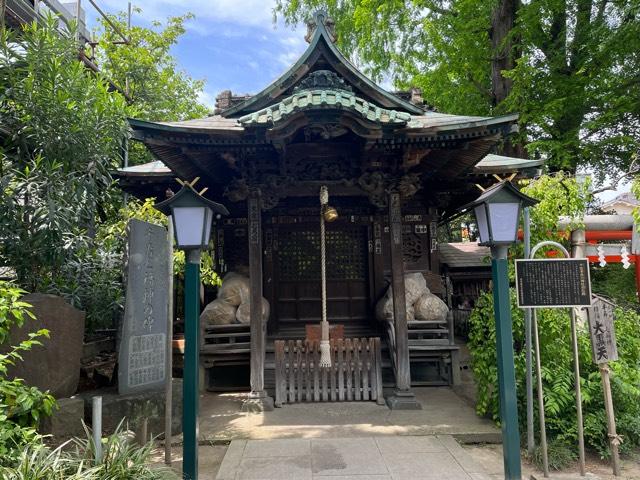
x=66, y=420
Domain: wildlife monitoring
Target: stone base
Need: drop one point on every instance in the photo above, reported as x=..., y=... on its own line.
x=403, y=400
x=134, y=407
x=258, y=403
x=66, y=421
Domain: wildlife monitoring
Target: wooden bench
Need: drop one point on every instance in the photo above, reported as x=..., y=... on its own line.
x=355, y=373
x=224, y=346
x=431, y=342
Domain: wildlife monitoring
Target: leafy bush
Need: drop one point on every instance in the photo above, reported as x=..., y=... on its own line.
x=558, y=377
x=21, y=406
x=122, y=460
x=37, y=462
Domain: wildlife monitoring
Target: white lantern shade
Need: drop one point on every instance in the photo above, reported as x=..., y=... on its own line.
x=192, y=226
x=497, y=212
x=483, y=225
x=192, y=216
x=503, y=221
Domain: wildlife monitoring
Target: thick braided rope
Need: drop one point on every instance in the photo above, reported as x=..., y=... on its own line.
x=325, y=349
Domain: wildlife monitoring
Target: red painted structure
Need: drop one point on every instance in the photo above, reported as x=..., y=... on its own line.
x=595, y=236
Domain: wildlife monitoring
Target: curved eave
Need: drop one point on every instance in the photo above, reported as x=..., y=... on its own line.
x=323, y=99
x=301, y=67
x=434, y=124
x=198, y=126
x=503, y=164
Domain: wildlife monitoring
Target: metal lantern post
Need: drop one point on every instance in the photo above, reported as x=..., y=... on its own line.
x=192, y=216
x=497, y=212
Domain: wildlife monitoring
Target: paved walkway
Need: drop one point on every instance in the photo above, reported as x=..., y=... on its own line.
x=443, y=413
x=367, y=458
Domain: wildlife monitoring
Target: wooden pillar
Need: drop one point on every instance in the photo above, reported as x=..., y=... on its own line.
x=403, y=398
x=258, y=399
x=379, y=286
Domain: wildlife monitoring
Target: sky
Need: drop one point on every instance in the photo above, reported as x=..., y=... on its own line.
x=231, y=44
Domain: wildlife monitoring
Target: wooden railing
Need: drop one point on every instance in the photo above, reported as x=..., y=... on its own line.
x=355, y=373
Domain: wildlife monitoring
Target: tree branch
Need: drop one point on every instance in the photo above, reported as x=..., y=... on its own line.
x=634, y=169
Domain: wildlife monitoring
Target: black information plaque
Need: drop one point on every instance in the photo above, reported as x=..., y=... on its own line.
x=553, y=283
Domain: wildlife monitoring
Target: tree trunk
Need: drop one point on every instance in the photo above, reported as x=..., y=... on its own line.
x=502, y=22
x=505, y=52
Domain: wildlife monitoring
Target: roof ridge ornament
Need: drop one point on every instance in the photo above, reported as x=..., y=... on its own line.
x=320, y=17
x=322, y=79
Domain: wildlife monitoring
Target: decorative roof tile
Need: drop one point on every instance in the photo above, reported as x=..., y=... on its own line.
x=307, y=99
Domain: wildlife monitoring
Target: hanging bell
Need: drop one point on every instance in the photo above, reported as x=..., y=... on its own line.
x=330, y=214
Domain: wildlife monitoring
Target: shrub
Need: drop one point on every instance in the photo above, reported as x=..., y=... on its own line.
x=558, y=376
x=559, y=454
x=121, y=457
x=122, y=460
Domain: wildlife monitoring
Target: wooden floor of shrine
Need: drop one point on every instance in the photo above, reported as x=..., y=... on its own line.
x=228, y=367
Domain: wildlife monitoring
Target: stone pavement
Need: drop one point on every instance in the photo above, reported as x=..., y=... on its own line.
x=366, y=458
x=443, y=413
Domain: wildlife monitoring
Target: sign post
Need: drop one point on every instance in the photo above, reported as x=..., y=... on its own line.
x=603, y=346
x=555, y=283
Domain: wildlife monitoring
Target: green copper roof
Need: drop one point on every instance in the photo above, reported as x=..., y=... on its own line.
x=321, y=46
x=503, y=164
x=314, y=99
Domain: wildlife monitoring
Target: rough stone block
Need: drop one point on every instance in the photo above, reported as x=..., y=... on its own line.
x=66, y=421
x=134, y=407
x=54, y=366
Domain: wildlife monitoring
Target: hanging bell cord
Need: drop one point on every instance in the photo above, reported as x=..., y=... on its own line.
x=325, y=348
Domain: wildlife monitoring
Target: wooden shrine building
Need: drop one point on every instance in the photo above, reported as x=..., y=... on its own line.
x=393, y=169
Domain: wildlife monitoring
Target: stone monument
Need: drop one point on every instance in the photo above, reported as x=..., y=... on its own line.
x=142, y=355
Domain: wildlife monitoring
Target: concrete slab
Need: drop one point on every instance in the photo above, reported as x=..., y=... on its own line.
x=564, y=476
x=380, y=458
x=348, y=446
x=443, y=412
x=388, y=445
x=275, y=469
x=283, y=447
x=428, y=466
x=231, y=461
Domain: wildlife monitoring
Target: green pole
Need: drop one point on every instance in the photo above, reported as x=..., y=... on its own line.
x=506, y=368
x=190, y=376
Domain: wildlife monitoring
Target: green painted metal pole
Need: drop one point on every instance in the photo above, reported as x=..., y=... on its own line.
x=190, y=387
x=506, y=368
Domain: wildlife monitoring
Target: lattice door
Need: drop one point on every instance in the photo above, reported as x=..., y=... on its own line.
x=297, y=255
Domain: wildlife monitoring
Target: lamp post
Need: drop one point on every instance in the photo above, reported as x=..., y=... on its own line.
x=192, y=216
x=497, y=212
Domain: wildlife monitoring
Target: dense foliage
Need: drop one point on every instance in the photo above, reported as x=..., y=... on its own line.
x=55, y=169
x=21, y=406
x=568, y=67
x=558, y=377
x=58, y=199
